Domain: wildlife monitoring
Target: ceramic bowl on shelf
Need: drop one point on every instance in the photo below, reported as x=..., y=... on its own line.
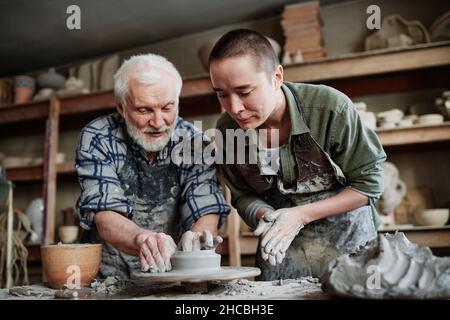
x=431, y=119
x=68, y=234
x=432, y=217
x=24, y=87
x=51, y=79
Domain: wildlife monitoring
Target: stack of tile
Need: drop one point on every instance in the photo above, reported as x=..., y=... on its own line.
x=302, y=26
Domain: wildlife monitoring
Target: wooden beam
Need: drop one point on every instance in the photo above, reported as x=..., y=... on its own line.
x=36, y=173
x=50, y=170
x=249, y=244
x=23, y=112
x=9, y=239
x=412, y=80
x=197, y=86
x=32, y=173
x=101, y=100
x=414, y=135
x=371, y=63
x=234, y=247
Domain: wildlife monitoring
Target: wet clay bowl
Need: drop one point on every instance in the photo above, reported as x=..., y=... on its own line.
x=64, y=264
x=199, y=260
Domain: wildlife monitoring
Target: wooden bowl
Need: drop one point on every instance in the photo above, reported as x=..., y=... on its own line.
x=70, y=265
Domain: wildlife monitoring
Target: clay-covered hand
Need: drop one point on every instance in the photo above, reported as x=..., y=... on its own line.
x=195, y=240
x=155, y=251
x=265, y=222
x=286, y=224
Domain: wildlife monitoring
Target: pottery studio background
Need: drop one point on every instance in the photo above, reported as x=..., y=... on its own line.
x=401, y=91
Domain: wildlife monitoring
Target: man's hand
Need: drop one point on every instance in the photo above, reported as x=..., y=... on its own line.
x=195, y=240
x=155, y=251
x=278, y=229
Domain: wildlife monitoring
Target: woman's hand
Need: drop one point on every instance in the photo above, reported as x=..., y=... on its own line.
x=278, y=229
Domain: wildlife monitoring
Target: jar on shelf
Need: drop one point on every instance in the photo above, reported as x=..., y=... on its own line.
x=23, y=89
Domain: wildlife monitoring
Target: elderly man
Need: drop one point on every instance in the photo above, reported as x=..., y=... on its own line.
x=134, y=198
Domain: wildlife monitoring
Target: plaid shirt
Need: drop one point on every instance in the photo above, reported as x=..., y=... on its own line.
x=103, y=147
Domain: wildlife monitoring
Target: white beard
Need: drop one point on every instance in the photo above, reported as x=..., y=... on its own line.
x=140, y=137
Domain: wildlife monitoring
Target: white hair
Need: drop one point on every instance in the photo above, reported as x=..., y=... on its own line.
x=145, y=69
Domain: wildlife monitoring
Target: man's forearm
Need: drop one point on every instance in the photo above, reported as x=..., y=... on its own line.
x=207, y=222
x=118, y=231
x=344, y=201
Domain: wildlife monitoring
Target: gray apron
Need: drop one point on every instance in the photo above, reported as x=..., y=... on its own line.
x=153, y=192
x=320, y=241
x=318, y=177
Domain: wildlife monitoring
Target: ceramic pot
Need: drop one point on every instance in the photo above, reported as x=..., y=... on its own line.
x=51, y=79
x=63, y=262
x=432, y=217
x=195, y=260
x=35, y=213
x=68, y=234
x=431, y=119
x=23, y=89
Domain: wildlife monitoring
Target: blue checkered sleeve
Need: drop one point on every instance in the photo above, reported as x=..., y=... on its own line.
x=97, y=157
x=202, y=193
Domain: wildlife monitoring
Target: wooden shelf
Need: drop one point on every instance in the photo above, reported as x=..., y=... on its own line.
x=414, y=135
x=372, y=63
x=35, y=173
x=197, y=95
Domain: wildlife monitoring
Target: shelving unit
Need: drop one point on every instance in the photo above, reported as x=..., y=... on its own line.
x=389, y=138
x=415, y=135
x=382, y=71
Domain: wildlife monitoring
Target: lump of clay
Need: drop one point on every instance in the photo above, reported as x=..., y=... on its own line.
x=195, y=260
x=389, y=267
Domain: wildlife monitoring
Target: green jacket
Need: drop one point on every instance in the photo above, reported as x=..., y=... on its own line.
x=333, y=122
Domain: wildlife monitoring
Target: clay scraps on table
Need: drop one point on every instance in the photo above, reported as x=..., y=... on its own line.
x=389, y=267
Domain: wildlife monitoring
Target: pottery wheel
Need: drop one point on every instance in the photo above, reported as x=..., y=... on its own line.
x=197, y=276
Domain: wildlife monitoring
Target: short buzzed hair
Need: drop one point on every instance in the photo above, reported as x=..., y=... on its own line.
x=242, y=42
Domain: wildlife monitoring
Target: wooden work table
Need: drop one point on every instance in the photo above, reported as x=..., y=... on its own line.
x=296, y=289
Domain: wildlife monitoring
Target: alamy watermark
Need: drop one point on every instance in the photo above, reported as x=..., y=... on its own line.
x=236, y=146
x=73, y=21
x=374, y=280
x=373, y=22
x=73, y=281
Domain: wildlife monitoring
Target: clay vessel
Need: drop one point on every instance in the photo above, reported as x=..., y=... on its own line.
x=197, y=260
x=432, y=217
x=68, y=234
x=23, y=89
x=35, y=212
x=61, y=263
x=51, y=79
